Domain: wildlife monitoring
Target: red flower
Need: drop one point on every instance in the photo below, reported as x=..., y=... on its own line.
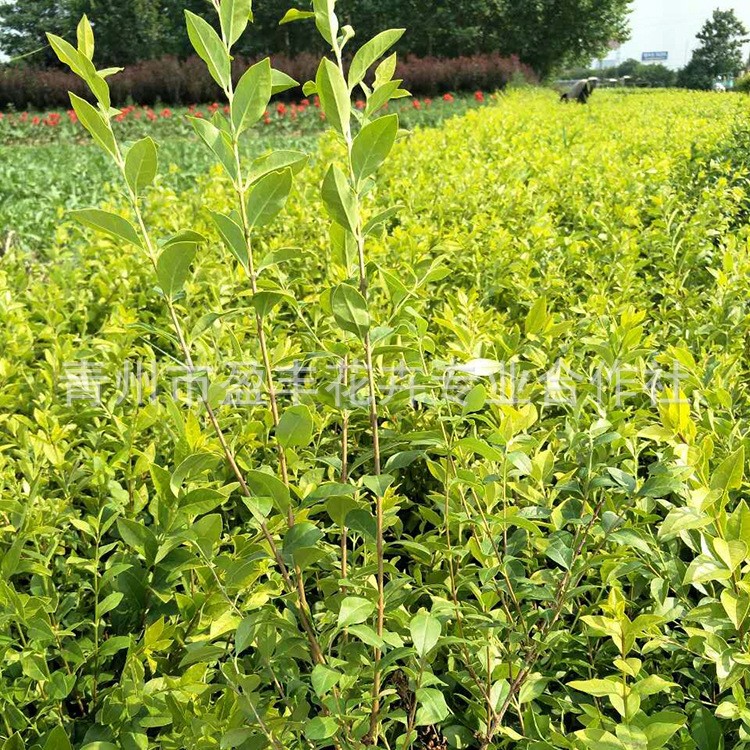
x=305, y=103
x=316, y=101
x=416, y=104
x=360, y=104
x=281, y=109
x=152, y=116
x=166, y=113
x=448, y=98
x=72, y=116
x=428, y=102
x=479, y=96
x=36, y=121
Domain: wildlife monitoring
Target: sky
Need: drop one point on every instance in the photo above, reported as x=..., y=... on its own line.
x=671, y=25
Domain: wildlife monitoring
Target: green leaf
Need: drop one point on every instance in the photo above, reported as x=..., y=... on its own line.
x=730, y=472
x=354, y=610
x=475, y=400
x=732, y=554
x=340, y=199
x=281, y=82
x=378, y=484
x=276, y=161
x=425, y=633
x=266, y=301
x=141, y=164
x=301, y=537
x=200, y=501
x=234, y=17
x=262, y=484
x=85, y=36
x=219, y=143
x=536, y=320
x=325, y=19
x=597, y=688
x=334, y=96
x=138, y=536
x=251, y=96
x=209, y=47
x=173, y=264
x=660, y=727
x=432, y=708
x=320, y=728
x=95, y=124
x=57, y=740
x=232, y=236
x=324, y=679
x=370, y=52
x=706, y=731
x=295, y=427
x=372, y=146
x=296, y=15
x=350, y=310
x=268, y=198
x=14, y=742
x=108, y=223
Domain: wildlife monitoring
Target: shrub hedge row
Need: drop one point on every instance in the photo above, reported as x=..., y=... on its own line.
x=174, y=81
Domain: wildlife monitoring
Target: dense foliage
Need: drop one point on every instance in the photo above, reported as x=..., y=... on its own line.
x=719, y=54
x=543, y=33
x=447, y=449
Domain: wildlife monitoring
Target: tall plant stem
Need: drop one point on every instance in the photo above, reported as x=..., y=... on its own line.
x=375, y=430
x=315, y=649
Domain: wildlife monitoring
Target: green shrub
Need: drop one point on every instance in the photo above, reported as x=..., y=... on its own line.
x=563, y=552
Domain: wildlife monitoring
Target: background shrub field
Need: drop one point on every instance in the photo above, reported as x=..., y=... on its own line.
x=583, y=531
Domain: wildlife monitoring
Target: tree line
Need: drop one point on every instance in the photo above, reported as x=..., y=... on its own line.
x=544, y=34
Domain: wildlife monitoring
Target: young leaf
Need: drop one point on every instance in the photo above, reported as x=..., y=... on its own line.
x=252, y=96
x=372, y=146
x=218, y=141
x=234, y=17
x=281, y=82
x=141, y=164
x=232, y=235
x=295, y=427
x=334, y=96
x=209, y=47
x=173, y=264
x=109, y=223
x=268, y=198
x=295, y=15
x=340, y=199
x=350, y=310
x=94, y=122
x=325, y=19
x=370, y=52
x=354, y=610
x=85, y=37
x=425, y=633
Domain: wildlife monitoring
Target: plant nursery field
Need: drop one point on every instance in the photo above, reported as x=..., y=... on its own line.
x=539, y=539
